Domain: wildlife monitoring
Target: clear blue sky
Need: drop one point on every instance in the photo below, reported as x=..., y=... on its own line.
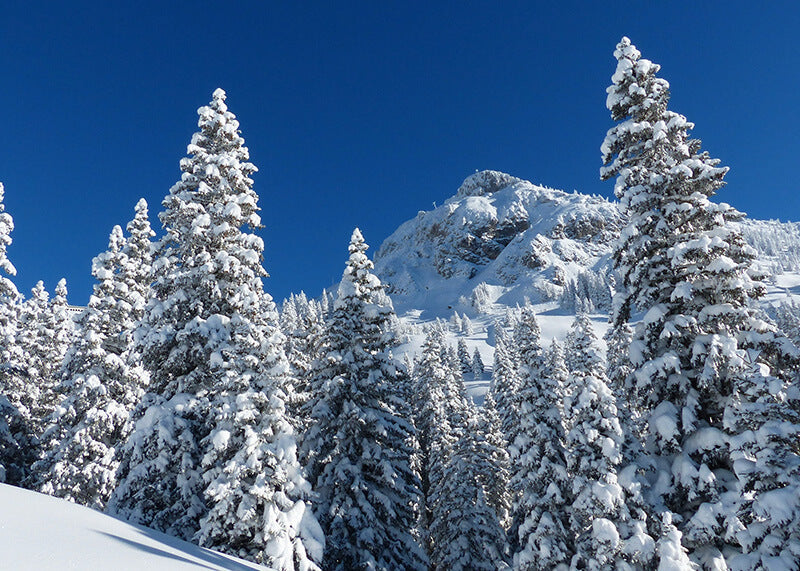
x=362, y=113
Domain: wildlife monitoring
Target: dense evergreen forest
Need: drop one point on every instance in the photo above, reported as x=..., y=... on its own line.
x=184, y=399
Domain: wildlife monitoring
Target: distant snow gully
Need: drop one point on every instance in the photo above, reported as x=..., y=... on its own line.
x=183, y=400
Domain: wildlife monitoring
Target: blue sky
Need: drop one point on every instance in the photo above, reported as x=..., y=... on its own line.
x=362, y=113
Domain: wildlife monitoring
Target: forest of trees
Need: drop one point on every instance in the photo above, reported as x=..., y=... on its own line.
x=184, y=399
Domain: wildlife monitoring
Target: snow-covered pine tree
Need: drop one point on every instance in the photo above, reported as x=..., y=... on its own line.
x=9, y=296
x=455, y=321
x=29, y=333
x=44, y=330
x=787, y=317
x=527, y=343
x=213, y=455
x=608, y=531
x=303, y=325
x=477, y=364
x=135, y=274
x=463, y=356
x=361, y=441
x=62, y=326
x=491, y=460
x=113, y=319
x=618, y=366
x=326, y=301
x=438, y=385
x=555, y=371
x=466, y=326
x=15, y=430
x=441, y=411
x=99, y=389
x=765, y=451
x=505, y=381
x=465, y=532
x=688, y=269
x=539, y=532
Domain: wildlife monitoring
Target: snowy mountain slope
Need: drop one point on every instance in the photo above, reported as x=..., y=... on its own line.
x=41, y=533
x=501, y=239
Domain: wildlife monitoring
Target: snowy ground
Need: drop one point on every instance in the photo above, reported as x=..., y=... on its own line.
x=40, y=533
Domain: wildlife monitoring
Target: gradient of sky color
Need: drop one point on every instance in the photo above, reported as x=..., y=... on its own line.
x=362, y=113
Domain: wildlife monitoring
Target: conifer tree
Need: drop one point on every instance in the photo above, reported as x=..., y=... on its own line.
x=455, y=321
x=30, y=335
x=361, y=441
x=45, y=328
x=465, y=531
x=466, y=326
x=61, y=324
x=15, y=430
x=439, y=390
x=539, y=532
x=213, y=455
x=618, y=365
x=527, y=343
x=477, y=364
x=304, y=329
x=765, y=451
x=135, y=273
x=113, y=319
x=463, y=356
x=9, y=295
x=609, y=529
x=441, y=411
x=688, y=269
x=98, y=390
x=555, y=371
x=491, y=460
x=505, y=382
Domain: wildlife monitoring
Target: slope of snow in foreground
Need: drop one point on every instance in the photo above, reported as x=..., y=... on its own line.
x=41, y=533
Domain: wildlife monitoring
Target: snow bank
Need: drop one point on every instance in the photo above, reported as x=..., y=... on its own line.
x=41, y=533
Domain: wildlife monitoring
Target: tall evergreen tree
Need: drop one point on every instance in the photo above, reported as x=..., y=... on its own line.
x=682, y=263
x=463, y=356
x=441, y=411
x=608, y=525
x=135, y=274
x=45, y=329
x=505, y=381
x=213, y=456
x=304, y=330
x=62, y=326
x=539, y=533
x=15, y=430
x=491, y=460
x=477, y=364
x=98, y=390
x=465, y=531
x=30, y=335
x=8, y=291
x=361, y=442
x=765, y=450
x=527, y=343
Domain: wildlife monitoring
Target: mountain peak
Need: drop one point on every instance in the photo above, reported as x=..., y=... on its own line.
x=485, y=182
x=498, y=237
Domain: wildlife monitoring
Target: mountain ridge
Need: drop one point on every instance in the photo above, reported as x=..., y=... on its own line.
x=500, y=240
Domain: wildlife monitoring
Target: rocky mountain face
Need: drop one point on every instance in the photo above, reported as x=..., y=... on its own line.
x=498, y=240
x=501, y=239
